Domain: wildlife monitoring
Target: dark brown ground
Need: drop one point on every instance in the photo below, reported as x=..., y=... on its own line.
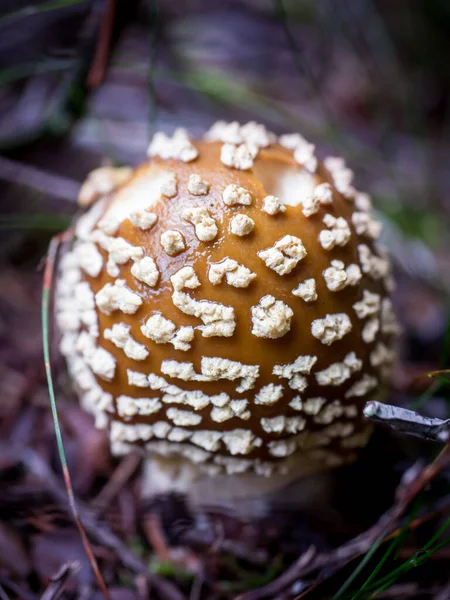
x=366, y=79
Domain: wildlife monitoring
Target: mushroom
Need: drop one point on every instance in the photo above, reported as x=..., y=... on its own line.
x=225, y=307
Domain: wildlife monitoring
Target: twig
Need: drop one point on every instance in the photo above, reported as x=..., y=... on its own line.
x=156, y=537
x=405, y=590
x=257, y=556
x=16, y=589
x=408, y=421
x=58, y=581
x=142, y=587
x=287, y=578
x=213, y=540
x=116, y=482
x=196, y=588
x=98, y=67
x=3, y=594
x=444, y=593
x=31, y=177
x=99, y=532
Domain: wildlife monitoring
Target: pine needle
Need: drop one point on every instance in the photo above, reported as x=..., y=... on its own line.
x=46, y=295
x=344, y=587
x=418, y=559
x=396, y=543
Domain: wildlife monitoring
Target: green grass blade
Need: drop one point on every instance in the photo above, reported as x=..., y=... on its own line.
x=46, y=348
x=441, y=379
x=419, y=402
x=386, y=555
x=437, y=535
x=415, y=561
x=395, y=543
x=46, y=294
x=348, y=582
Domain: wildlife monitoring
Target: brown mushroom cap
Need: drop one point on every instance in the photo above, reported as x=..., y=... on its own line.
x=228, y=303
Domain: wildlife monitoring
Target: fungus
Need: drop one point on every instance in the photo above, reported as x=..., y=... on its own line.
x=225, y=307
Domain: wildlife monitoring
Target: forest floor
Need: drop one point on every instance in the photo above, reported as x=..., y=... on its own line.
x=384, y=529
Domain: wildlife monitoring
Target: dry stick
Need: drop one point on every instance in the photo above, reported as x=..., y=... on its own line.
x=276, y=586
x=47, y=286
x=142, y=587
x=196, y=588
x=98, y=67
x=3, y=594
x=32, y=177
x=58, y=581
x=116, y=482
x=408, y=421
x=16, y=589
x=444, y=593
x=155, y=534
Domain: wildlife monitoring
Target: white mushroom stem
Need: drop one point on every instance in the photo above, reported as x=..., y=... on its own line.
x=247, y=494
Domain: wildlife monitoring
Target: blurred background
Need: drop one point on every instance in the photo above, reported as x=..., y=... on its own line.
x=87, y=82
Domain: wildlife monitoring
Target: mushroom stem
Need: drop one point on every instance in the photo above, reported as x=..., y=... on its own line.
x=247, y=495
